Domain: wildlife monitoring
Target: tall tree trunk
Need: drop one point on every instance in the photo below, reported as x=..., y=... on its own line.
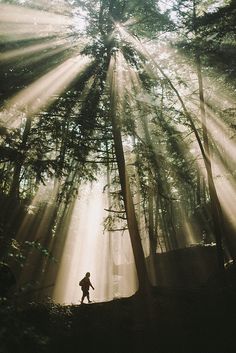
x=151, y=226
x=216, y=214
x=126, y=191
x=130, y=211
x=216, y=211
x=198, y=190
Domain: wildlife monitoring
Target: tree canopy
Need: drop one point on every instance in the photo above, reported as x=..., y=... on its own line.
x=132, y=89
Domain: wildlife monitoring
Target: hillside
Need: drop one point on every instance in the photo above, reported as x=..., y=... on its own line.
x=179, y=321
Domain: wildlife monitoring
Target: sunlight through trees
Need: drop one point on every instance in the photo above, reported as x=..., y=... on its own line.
x=117, y=142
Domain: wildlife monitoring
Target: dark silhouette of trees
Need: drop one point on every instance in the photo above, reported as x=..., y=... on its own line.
x=126, y=113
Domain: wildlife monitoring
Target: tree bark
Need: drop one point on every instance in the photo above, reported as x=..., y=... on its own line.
x=126, y=191
x=212, y=191
x=216, y=211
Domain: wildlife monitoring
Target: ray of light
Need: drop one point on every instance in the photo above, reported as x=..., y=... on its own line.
x=46, y=194
x=124, y=80
x=17, y=14
x=226, y=188
x=191, y=234
x=216, y=128
x=220, y=133
x=18, y=23
x=55, y=7
x=34, y=229
x=156, y=53
x=42, y=55
x=88, y=248
x=18, y=32
x=31, y=49
x=44, y=91
x=223, y=178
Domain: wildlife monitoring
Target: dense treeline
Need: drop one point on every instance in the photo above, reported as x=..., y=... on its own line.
x=139, y=109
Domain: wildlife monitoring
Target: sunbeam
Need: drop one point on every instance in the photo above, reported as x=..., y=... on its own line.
x=32, y=49
x=140, y=91
x=23, y=15
x=226, y=187
x=117, y=166
x=44, y=91
x=88, y=248
x=19, y=23
x=35, y=231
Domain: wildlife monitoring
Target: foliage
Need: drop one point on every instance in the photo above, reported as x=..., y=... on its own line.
x=214, y=35
x=48, y=327
x=129, y=80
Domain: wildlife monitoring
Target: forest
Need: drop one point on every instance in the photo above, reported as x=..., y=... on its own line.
x=118, y=157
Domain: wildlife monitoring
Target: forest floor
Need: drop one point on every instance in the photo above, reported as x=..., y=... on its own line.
x=200, y=320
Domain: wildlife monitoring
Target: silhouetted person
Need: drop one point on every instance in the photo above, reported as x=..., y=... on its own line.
x=85, y=284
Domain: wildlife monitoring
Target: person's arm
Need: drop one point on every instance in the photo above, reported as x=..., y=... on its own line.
x=91, y=285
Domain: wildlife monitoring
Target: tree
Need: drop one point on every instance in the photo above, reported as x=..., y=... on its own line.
x=196, y=49
x=122, y=94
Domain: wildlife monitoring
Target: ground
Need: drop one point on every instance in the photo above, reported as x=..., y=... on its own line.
x=200, y=320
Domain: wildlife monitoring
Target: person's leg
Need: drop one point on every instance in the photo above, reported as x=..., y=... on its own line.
x=83, y=296
x=89, y=301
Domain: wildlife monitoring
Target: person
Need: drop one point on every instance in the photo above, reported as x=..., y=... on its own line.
x=85, y=284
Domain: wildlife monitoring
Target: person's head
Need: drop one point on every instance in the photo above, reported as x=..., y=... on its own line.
x=87, y=274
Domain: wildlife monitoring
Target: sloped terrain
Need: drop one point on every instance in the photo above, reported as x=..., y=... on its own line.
x=178, y=321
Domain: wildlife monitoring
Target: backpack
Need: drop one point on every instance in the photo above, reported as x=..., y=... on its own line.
x=81, y=282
